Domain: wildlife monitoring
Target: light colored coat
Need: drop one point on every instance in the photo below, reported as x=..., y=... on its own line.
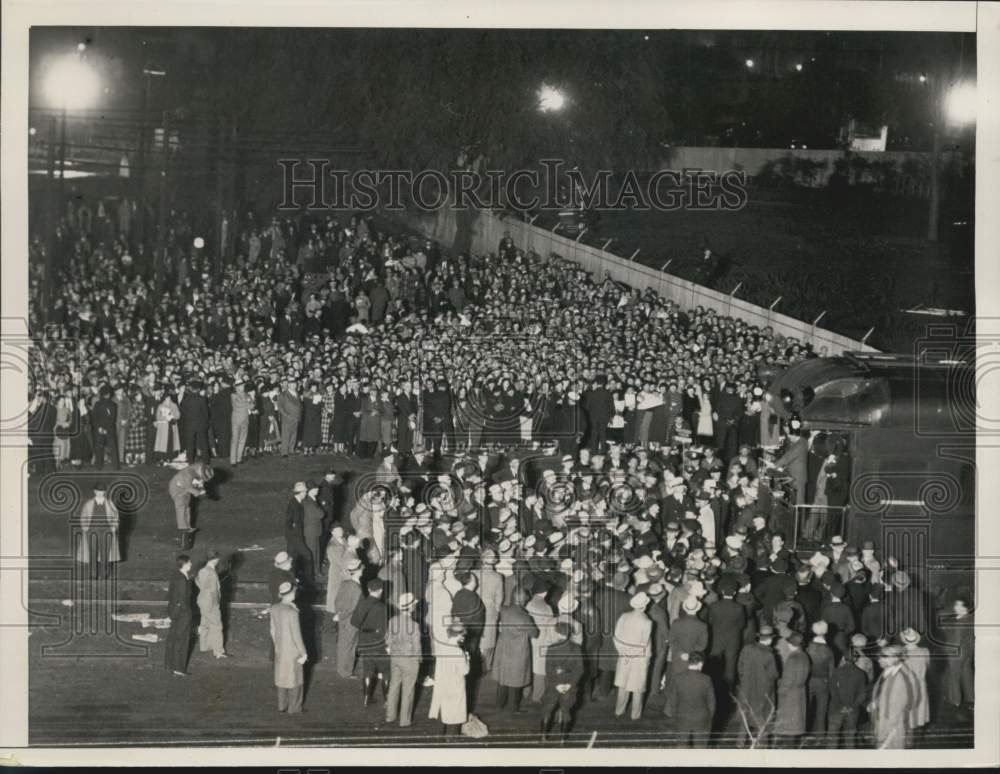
x=491, y=591
x=286, y=634
x=634, y=643
x=337, y=554
x=210, y=635
x=545, y=620
x=448, y=702
x=917, y=660
x=894, y=698
x=103, y=529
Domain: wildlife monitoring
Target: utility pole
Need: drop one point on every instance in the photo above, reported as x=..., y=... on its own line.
x=159, y=259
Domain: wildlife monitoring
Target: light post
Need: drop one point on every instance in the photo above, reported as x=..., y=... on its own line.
x=71, y=84
x=149, y=72
x=954, y=107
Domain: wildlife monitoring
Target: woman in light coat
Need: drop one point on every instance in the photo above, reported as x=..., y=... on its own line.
x=338, y=553
x=167, y=440
x=451, y=665
x=633, y=641
x=210, y=634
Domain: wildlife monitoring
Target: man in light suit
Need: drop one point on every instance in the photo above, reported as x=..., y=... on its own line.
x=892, y=702
x=289, y=650
x=289, y=411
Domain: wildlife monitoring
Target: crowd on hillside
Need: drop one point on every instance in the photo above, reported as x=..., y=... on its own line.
x=641, y=549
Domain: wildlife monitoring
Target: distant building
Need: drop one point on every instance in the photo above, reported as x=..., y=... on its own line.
x=857, y=137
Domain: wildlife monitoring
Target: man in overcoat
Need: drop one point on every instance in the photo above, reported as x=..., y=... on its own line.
x=289, y=650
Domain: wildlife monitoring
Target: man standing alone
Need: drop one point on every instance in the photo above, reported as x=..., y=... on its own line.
x=289, y=650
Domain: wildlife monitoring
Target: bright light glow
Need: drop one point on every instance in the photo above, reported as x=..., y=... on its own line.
x=923, y=78
x=81, y=46
x=199, y=243
x=960, y=103
x=750, y=63
x=32, y=131
x=71, y=84
x=799, y=67
x=550, y=99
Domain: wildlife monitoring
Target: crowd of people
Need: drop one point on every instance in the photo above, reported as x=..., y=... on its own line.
x=581, y=490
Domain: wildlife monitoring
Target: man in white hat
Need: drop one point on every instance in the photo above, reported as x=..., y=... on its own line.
x=282, y=571
x=348, y=596
x=893, y=701
x=295, y=541
x=491, y=591
x=634, y=643
x=405, y=653
x=687, y=634
x=338, y=553
x=289, y=650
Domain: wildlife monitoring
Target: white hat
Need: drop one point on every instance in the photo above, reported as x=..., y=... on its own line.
x=406, y=601
x=285, y=588
x=639, y=601
x=643, y=562
x=504, y=546
x=568, y=604
x=692, y=605
x=910, y=635
x=566, y=565
x=656, y=589
x=300, y=486
x=819, y=560
x=579, y=576
x=530, y=541
x=556, y=537
x=820, y=628
x=281, y=557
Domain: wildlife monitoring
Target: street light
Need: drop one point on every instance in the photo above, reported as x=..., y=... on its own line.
x=550, y=99
x=72, y=84
x=749, y=64
x=798, y=67
x=960, y=103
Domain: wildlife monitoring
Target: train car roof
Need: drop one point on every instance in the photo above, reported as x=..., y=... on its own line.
x=878, y=390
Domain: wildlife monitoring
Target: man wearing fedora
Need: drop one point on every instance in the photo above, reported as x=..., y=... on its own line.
x=289, y=650
x=563, y=672
x=893, y=700
x=405, y=649
x=349, y=594
x=97, y=544
x=295, y=541
x=634, y=643
x=186, y=483
x=758, y=676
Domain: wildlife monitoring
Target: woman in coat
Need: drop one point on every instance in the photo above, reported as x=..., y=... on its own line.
x=289, y=651
x=167, y=442
x=406, y=418
x=387, y=418
x=210, y=634
x=451, y=665
x=371, y=424
x=512, y=657
x=312, y=419
x=326, y=420
x=633, y=641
